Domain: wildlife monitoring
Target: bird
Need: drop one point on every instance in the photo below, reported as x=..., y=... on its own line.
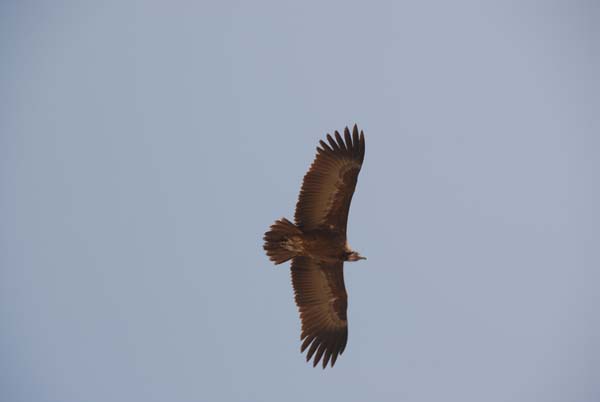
x=317, y=245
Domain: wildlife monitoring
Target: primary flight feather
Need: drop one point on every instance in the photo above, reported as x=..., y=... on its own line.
x=317, y=244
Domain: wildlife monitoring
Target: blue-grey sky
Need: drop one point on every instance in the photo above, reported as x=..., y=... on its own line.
x=146, y=146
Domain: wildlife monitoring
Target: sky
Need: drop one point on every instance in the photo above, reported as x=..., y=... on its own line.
x=145, y=147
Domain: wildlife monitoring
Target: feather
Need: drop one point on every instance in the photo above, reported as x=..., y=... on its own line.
x=323, y=326
x=329, y=184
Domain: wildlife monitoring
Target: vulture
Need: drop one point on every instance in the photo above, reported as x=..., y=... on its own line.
x=316, y=243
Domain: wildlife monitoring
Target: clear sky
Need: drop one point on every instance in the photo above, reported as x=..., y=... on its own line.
x=146, y=146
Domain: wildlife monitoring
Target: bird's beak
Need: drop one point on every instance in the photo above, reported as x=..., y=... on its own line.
x=362, y=258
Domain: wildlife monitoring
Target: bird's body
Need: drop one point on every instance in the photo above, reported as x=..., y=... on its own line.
x=321, y=244
x=317, y=244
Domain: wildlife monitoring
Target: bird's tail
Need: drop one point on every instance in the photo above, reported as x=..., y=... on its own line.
x=283, y=241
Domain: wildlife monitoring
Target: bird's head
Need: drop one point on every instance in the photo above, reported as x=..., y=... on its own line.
x=354, y=256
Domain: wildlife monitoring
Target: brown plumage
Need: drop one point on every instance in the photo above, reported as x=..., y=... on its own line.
x=317, y=245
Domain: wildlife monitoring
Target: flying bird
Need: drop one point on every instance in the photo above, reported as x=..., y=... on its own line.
x=316, y=243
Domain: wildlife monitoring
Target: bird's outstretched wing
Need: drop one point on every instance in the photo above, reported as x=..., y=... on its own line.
x=329, y=184
x=322, y=301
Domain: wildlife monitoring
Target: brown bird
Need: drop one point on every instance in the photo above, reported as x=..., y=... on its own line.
x=317, y=245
